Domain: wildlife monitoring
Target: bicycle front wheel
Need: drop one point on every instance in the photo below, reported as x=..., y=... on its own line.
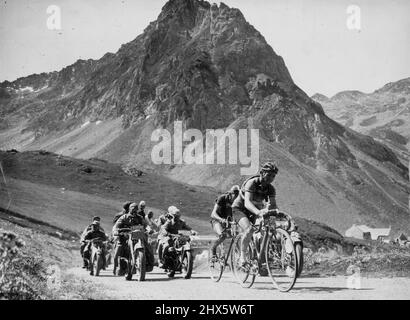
x=281, y=260
x=216, y=264
x=243, y=275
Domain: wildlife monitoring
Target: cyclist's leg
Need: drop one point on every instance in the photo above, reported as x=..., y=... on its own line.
x=245, y=222
x=219, y=230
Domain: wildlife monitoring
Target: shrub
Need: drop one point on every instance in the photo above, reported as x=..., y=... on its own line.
x=21, y=277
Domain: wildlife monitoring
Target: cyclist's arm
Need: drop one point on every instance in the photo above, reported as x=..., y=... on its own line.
x=249, y=203
x=272, y=203
x=215, y=213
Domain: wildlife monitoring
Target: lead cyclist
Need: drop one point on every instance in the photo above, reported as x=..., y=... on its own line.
x=250, y=204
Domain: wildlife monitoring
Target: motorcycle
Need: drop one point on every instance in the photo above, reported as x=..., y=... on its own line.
x=95, y=257
x=132, y=255
x=179, y=256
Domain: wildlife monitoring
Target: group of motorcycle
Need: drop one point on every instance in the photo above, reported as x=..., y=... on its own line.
x=133, y=257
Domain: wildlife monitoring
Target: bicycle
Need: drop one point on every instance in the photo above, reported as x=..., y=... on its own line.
x=274, y=250
x=218, y=264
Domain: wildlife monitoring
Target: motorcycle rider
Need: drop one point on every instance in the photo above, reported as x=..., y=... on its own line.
x=97, y=221
x=250, y=204
x=171, y=226
x=141, y=209
x=221, y=212
x=163, y=218
x=95, y=233
x=127, y=221
x=125, y=208
x=153, y=227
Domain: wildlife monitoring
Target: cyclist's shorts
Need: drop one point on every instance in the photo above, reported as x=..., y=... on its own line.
x=238, y=214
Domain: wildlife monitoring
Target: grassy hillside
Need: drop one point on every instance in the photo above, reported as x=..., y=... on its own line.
x=68, y=192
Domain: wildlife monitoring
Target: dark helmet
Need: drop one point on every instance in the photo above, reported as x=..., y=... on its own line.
x=97, y=219
x=269, y=167
x=126, y=205
x=235, y=190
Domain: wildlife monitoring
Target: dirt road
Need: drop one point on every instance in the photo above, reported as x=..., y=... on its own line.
x=158, y=286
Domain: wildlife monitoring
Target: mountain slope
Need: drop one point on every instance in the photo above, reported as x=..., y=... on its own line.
x=383, y=114
x=206, y=66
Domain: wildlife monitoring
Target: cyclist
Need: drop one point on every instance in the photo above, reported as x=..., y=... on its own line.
x=221, y=212
x=250, y=204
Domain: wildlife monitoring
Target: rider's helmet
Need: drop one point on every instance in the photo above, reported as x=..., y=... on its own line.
x=132, y=207
x=235, y=189
x=95, y=225
x=142, y=204
x=150, y=214
x=269, y=167
x=126, y=205
x=174, y=211
x=171, y=209
x=98, y=219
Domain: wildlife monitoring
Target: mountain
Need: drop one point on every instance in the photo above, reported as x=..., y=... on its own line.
x=383, y=114
x=206, y=66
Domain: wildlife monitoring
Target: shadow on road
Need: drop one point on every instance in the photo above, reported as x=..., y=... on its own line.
x=327, y=289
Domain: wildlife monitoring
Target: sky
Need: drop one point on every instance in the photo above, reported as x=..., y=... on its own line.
x=322, y=54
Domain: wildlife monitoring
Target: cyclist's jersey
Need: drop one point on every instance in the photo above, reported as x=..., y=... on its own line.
x=260, y=194
x=225, y=205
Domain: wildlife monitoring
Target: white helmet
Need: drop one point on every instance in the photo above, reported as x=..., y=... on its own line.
x=173, y=211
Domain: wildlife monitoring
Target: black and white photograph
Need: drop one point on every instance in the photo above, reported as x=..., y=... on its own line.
x=221, y=153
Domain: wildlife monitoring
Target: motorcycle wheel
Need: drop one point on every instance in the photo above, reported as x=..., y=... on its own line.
x=187, y=265
x=98, y=264
x=140, y=265
x=299, y=258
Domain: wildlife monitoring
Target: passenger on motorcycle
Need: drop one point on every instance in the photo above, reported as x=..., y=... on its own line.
x=171, y=226
x=249, y=205
x=163, y=218
x=83, y=243
x=125, y=208
x=141, y=209
x=152, y=226
x=221, y=212
x=94, y=233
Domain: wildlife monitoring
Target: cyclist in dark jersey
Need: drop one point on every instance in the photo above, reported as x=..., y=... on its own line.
x=221, y=212
x=255, y=193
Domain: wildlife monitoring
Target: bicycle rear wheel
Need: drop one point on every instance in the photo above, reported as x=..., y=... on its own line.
x=243, y=275
x=281, y=260
x=216, y=264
